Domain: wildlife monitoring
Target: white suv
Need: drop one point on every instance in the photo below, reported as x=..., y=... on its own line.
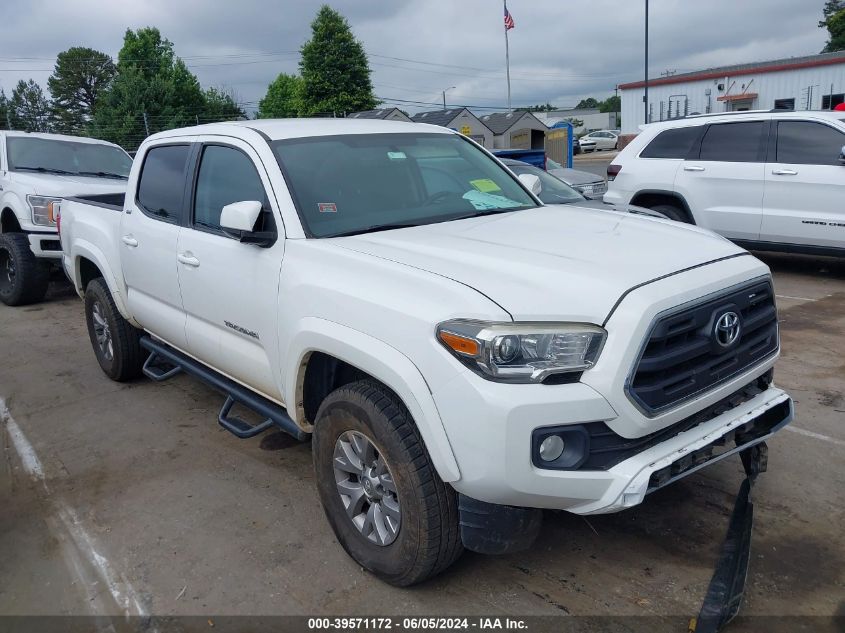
x=766, y=180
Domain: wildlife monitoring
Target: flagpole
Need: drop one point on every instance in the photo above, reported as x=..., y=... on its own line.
x=507, y=59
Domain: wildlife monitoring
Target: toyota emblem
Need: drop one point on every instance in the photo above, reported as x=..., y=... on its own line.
x=727, y=329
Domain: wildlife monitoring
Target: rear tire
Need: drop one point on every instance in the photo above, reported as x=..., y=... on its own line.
x=672, y=212
x=115, y=341
x=23, y=277
x=427, y=539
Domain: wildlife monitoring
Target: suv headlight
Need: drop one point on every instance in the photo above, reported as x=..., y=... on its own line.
x=43, y=209
x=522, y=352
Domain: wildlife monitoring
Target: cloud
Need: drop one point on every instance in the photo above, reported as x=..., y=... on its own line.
x=560, y=51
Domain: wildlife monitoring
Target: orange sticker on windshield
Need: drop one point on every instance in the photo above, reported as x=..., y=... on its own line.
x=327, y=207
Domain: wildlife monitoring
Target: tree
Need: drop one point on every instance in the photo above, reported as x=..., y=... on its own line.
x=28, y=108
x=334, y=68
x=4, y=110
x=589, y=103
x=611, y=104
x=834, y=22
x=221, y=105
x=153, y=90
x=548, y=107
x=80, y=75
x=283, y=98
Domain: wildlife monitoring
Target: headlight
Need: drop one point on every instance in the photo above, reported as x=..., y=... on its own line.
x=43, y=209
x=522, y=352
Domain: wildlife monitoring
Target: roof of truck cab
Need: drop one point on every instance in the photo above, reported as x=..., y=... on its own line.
x=276, y=129
x=56, y=137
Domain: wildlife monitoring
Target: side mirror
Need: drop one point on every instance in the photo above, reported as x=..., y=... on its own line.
x=842, y=156
x=238, y=221
x=532, y=182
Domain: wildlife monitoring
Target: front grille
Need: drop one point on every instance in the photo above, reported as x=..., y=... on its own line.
x=682, y=357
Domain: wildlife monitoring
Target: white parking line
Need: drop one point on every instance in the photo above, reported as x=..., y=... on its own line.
x=817, y=436
x=120, y=589
x=795, y=298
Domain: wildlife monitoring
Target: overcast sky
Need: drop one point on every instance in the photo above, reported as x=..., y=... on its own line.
x=561, y=50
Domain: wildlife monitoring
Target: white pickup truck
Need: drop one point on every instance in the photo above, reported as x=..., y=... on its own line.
x=460, y=355
x=36, y=172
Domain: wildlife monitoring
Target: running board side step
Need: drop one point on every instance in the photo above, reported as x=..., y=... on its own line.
x=165, y=362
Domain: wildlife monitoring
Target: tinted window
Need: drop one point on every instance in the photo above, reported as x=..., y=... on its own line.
x=675, y=143
x=806, y=143
x=163, y=182
x=733, y=142
x=226, y=175
x=86, y=159
x=357, y=183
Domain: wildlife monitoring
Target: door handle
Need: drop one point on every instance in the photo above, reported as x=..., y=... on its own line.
x=188, y=260
x=129, y=241
x=784, y=172
x=693, y=168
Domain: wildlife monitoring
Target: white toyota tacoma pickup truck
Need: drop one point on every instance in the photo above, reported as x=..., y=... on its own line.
x=460, y=355
x=36, y=172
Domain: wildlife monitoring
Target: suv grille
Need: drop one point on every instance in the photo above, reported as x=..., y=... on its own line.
x=686, y=354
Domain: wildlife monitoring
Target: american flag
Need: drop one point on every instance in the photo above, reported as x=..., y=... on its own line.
x=508, y=20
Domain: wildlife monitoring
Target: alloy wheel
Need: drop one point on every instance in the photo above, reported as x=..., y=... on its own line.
x=102, y=331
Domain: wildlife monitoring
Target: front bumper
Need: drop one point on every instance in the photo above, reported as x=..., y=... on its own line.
x=45, y=245
x=496, y=464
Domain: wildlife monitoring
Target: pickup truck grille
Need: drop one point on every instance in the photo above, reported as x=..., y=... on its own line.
x=685, y=353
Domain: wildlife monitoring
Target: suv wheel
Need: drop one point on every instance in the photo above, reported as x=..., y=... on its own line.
x=23, y=278
x=673, y=212
x=115, y=341
x=384, y=500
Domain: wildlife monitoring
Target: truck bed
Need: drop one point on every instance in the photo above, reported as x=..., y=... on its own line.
x=113, y=201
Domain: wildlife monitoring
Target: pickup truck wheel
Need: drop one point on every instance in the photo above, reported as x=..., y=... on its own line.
x=115, y=341
x=382, y=496
x=23, y=278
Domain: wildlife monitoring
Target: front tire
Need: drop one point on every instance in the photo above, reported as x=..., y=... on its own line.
x=382, y=496
x=115, y=341
x=23, y=278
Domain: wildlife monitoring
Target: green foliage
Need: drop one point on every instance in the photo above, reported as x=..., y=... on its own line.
x=80, y=75
x=834, y=22
x=334, y=68
x=150, y=79
x=28, y=108
x=548, y=107
x=588, y=103
x=283, y=98
x=611, y=104
x=4, y=110
x=221, y=105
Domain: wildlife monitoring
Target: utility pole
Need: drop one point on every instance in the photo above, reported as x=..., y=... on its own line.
x=146, y=124
x=507, y=57
x=444, y=96
x=645, y=93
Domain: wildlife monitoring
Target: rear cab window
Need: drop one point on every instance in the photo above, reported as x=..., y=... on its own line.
x=675, y=143
x=161, y=188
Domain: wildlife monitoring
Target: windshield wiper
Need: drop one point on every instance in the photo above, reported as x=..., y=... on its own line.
x=46, y=170
x=103, y=174
x=478, y=214
x=373, y=229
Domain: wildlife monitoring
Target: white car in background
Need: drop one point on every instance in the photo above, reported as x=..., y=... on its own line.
x=601, y=139
x=772, y=181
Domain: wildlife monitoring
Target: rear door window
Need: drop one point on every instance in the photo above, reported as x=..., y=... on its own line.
x=675, y=143
x=162, y=186
x=734, y=142
x=808, y=143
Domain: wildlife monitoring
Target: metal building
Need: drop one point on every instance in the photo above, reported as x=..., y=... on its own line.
x=815, y=82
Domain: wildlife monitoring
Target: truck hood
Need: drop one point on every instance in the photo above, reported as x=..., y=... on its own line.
x=550, y=263
x=66, y=186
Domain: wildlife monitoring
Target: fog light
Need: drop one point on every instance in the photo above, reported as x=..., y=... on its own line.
x=551, y=448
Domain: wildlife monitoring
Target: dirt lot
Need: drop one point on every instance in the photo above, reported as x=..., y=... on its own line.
x=147, y=506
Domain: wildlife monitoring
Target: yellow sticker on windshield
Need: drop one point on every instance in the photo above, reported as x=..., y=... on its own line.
x=485, y=185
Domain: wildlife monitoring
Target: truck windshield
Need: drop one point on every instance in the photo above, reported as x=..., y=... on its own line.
x=359, y=183
x=67, y=157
